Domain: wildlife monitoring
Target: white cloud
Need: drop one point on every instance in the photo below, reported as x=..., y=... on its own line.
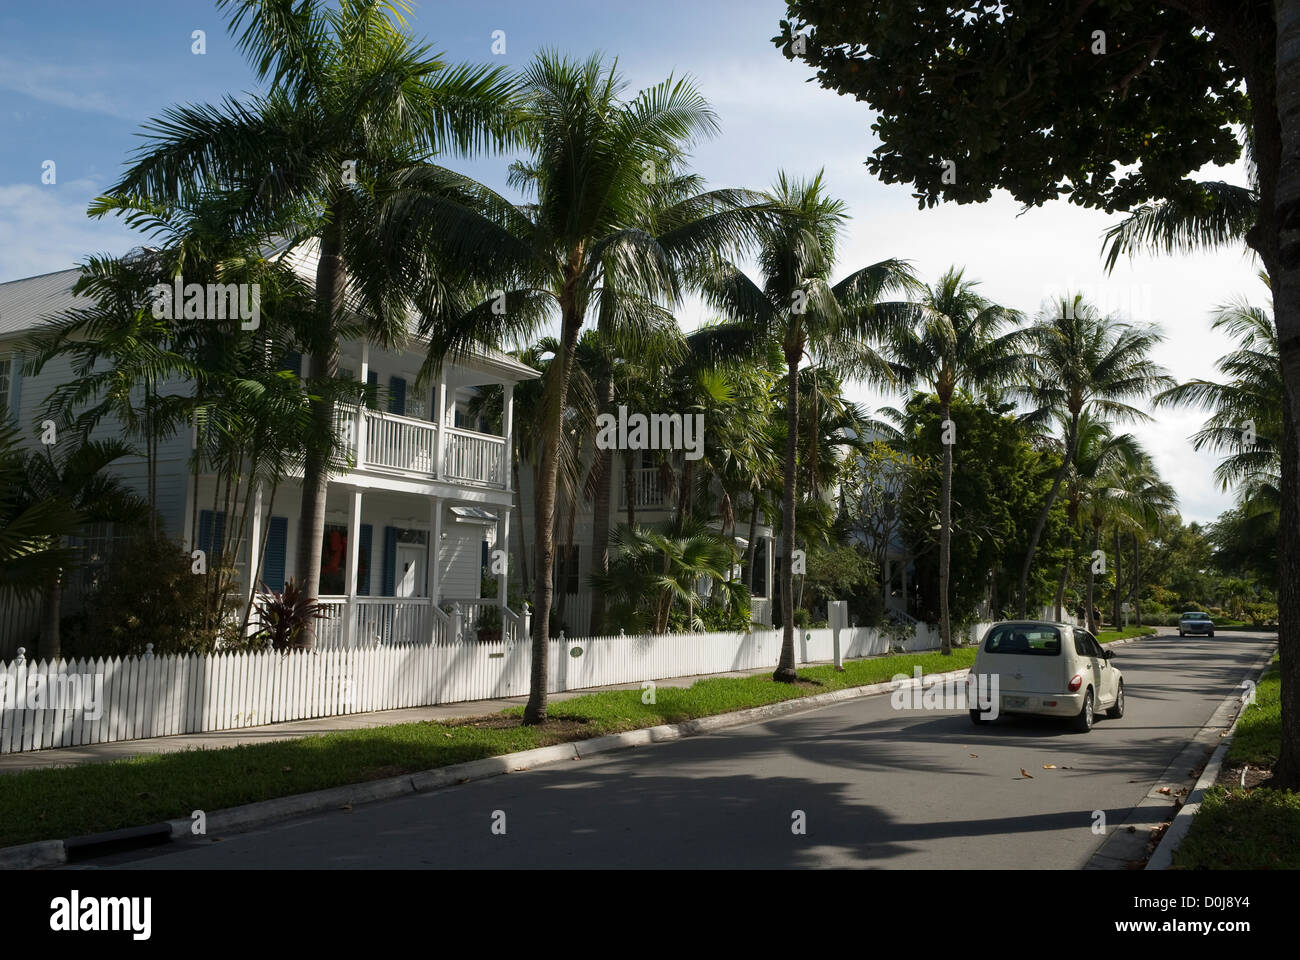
x=61, y=85
x=46, y=228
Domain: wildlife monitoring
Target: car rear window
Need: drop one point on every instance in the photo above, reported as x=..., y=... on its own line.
x=1024, y=639
x=1196, y=616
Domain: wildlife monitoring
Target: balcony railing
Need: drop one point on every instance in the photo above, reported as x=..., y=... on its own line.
x=649, y=490
x=405, y=445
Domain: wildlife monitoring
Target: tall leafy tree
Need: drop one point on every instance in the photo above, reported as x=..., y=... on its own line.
x=796, y=304
x=957, y=345
x=353, y=104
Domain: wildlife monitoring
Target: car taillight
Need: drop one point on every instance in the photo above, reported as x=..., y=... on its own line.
x=1076, y=682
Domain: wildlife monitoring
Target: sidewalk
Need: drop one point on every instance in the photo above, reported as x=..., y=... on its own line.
x=292, y=730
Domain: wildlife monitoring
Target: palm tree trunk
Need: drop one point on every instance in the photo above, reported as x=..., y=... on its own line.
x=1023, y=599
x=629, y=488
x=544, y=508
x=945, y=536
x=1065, y=572
x=1087, y=613
x=785, y=671
x=331, y=284
x=600, y=520
x=1119, y=566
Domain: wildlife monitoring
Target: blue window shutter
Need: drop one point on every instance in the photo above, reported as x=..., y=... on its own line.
x=390, y=561
x=210, y=534
x=293, y=362
x=396, y=395
x=372, y=378
x=277, y=537
x=363, y=560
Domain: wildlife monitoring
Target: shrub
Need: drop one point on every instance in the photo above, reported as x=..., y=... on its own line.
x=148, y=594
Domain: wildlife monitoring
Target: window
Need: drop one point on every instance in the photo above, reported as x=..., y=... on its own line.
x=6, y=379
x=760, y=567
x=566, y=568
x=1024, y=639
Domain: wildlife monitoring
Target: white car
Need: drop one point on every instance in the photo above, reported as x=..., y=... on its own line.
x=1053, y=669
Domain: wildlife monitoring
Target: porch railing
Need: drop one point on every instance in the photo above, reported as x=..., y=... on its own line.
x=384, y=621
x=400, y=443
x=474, y=456
x=409, y=445
x=648, y=490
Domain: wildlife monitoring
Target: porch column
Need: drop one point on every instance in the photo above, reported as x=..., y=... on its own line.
x=508, y=430
x=361, y=407
x=440, y=441
x=255, y=543
x=354, y=556
x=435, y=550
x=502, y=544
x=903, y=567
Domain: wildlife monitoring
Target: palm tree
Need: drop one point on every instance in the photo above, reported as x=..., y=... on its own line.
x=1246, y=411
x=1141, y=499
x=1099, y=457
x=796, y=305
x=654, y=570
x=75, y=480
x=1080, y=360
x=579, y=248
x=354, y=105
x=957, y=346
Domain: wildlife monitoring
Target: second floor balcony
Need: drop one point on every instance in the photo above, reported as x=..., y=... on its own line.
x=421, y=449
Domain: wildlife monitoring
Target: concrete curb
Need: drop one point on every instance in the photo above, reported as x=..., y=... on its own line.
x=48, y=853
x=1163, y=857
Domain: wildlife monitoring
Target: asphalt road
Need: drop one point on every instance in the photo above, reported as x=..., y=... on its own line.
x=878, y=788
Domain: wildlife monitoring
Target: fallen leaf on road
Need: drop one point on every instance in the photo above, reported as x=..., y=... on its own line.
x=347, y=808
x=1163, y=790
x=975, y=755
x=1026, y=774
x=1049, y=766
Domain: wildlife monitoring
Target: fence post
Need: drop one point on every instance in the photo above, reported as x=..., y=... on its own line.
x=22, y=656
x=148, y=651
x=456, y=621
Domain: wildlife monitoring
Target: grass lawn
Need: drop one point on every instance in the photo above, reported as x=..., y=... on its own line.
x=53, y=804
x=1110, y=636
x=1253, y=828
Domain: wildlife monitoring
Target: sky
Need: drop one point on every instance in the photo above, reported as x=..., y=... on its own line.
x=79, y=79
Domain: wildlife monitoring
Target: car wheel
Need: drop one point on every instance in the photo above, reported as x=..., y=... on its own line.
x=1117, y=710
x=1211, y=634
x=1180, y=633
x=1083, y=722
x=977, y=717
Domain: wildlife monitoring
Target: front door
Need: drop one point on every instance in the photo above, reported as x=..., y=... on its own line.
x=410, y=570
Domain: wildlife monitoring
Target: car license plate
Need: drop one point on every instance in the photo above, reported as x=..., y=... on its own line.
x=1013, y=701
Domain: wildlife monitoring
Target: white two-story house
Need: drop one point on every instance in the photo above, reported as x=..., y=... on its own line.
x=410, y=522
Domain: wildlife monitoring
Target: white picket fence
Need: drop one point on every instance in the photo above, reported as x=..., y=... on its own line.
x=158, y=696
